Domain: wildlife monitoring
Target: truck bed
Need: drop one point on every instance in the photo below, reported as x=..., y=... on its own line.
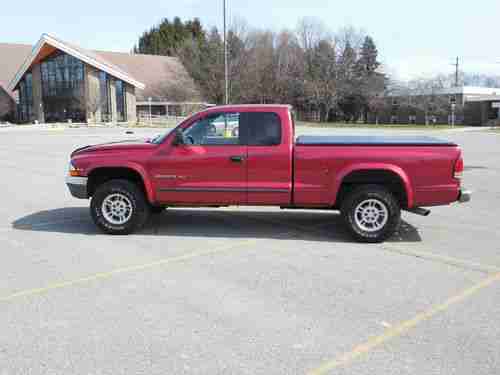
x=341, y=140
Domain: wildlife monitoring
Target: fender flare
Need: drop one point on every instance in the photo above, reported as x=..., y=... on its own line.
x=398, y=171
x=136, y=168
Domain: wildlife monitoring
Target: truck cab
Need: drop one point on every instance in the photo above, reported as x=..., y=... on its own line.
x=250, y=166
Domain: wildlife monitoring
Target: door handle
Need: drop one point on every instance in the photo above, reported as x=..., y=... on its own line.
x=237, y=158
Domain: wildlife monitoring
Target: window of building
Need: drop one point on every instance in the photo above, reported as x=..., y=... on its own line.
x=493, y=112
x=62, y=78
x=105, y=98
x=121, y=104
x=26, y=98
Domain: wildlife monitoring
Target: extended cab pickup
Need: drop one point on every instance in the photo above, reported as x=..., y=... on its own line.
x=261, y=163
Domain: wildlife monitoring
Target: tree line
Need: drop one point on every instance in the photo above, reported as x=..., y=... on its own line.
x=334, y=75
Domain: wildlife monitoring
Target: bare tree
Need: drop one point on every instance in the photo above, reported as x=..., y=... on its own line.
x=289, y=69
x=241, y=40
x=321, y=84
x=93, y=104
x=376, y=105
x=180, y=90
x=349, y=35
x=205, y=64
x=424, y=95
x=311, y=68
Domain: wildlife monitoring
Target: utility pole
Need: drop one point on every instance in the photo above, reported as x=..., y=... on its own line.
x=456, y=72
x=226, y=70
x=150, y=116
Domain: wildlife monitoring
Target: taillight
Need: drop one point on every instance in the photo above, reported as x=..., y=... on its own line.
x=459, y=168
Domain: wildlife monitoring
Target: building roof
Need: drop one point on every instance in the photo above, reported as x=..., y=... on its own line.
x=48, y=44
x=153, y=76
x=7, y=92
x=161, y=74
x=12, y=57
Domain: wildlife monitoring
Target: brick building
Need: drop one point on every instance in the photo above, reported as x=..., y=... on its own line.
x=58, y=81
x=474, y=106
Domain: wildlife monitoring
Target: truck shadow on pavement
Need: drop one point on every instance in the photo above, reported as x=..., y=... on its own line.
x=221, y=223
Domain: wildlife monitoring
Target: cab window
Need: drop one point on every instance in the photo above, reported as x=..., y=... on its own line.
x=215, y=129
x=264, y=128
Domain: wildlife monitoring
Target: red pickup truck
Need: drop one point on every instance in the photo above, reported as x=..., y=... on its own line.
x=368, y=179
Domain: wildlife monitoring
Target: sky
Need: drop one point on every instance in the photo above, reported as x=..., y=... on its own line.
x=414, y=38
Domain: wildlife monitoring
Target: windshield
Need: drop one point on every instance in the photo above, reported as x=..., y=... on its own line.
x=161, y=137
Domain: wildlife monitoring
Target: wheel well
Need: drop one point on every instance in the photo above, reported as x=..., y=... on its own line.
x=101, y=175
x=388, y=179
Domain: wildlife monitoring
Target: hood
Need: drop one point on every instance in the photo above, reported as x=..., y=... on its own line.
x=126, y=145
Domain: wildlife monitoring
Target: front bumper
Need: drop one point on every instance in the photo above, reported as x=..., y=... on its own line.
x=464, y=196
x=77, y=186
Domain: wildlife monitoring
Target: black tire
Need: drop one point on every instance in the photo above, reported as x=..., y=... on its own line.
x=379, y=196
x=140, y=212
x=156, y=210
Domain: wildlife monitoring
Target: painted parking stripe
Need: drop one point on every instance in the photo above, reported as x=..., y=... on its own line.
x=391, y=247
x=123, y=270
x=402, y=328
x=443, y=259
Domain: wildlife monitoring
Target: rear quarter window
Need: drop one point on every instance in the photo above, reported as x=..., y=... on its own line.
x=263, y=128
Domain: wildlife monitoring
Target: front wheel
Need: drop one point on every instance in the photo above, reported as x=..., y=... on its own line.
x=371, y=213
x=119, y=207
x=157, y=210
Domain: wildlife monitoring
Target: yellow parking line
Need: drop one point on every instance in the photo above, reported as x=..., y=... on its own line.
x=443, y=259
x=118, y=271
x=389, y=247
x=402, y=327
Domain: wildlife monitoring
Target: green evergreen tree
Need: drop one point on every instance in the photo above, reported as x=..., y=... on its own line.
x=167, y=37
x=368, y=59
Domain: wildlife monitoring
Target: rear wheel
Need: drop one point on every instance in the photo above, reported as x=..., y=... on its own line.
x=371, y=213
x=119, y=207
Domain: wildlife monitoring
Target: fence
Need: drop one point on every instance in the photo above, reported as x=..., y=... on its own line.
x=144, y=119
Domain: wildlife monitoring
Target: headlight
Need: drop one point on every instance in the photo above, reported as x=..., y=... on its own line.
x=73, y=171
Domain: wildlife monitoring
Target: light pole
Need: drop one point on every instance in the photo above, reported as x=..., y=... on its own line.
x=226, y=70
x=150, y=118
x=453, y=107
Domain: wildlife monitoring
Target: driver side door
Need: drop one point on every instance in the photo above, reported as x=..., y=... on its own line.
x=209, y=168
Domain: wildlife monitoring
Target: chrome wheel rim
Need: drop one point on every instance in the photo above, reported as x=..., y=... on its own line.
x=117, y=208
x=371, y=215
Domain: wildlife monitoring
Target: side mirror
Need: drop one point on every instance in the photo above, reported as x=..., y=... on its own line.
x=178, y=138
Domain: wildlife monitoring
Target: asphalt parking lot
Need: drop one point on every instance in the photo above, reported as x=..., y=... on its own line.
x=241, y=291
